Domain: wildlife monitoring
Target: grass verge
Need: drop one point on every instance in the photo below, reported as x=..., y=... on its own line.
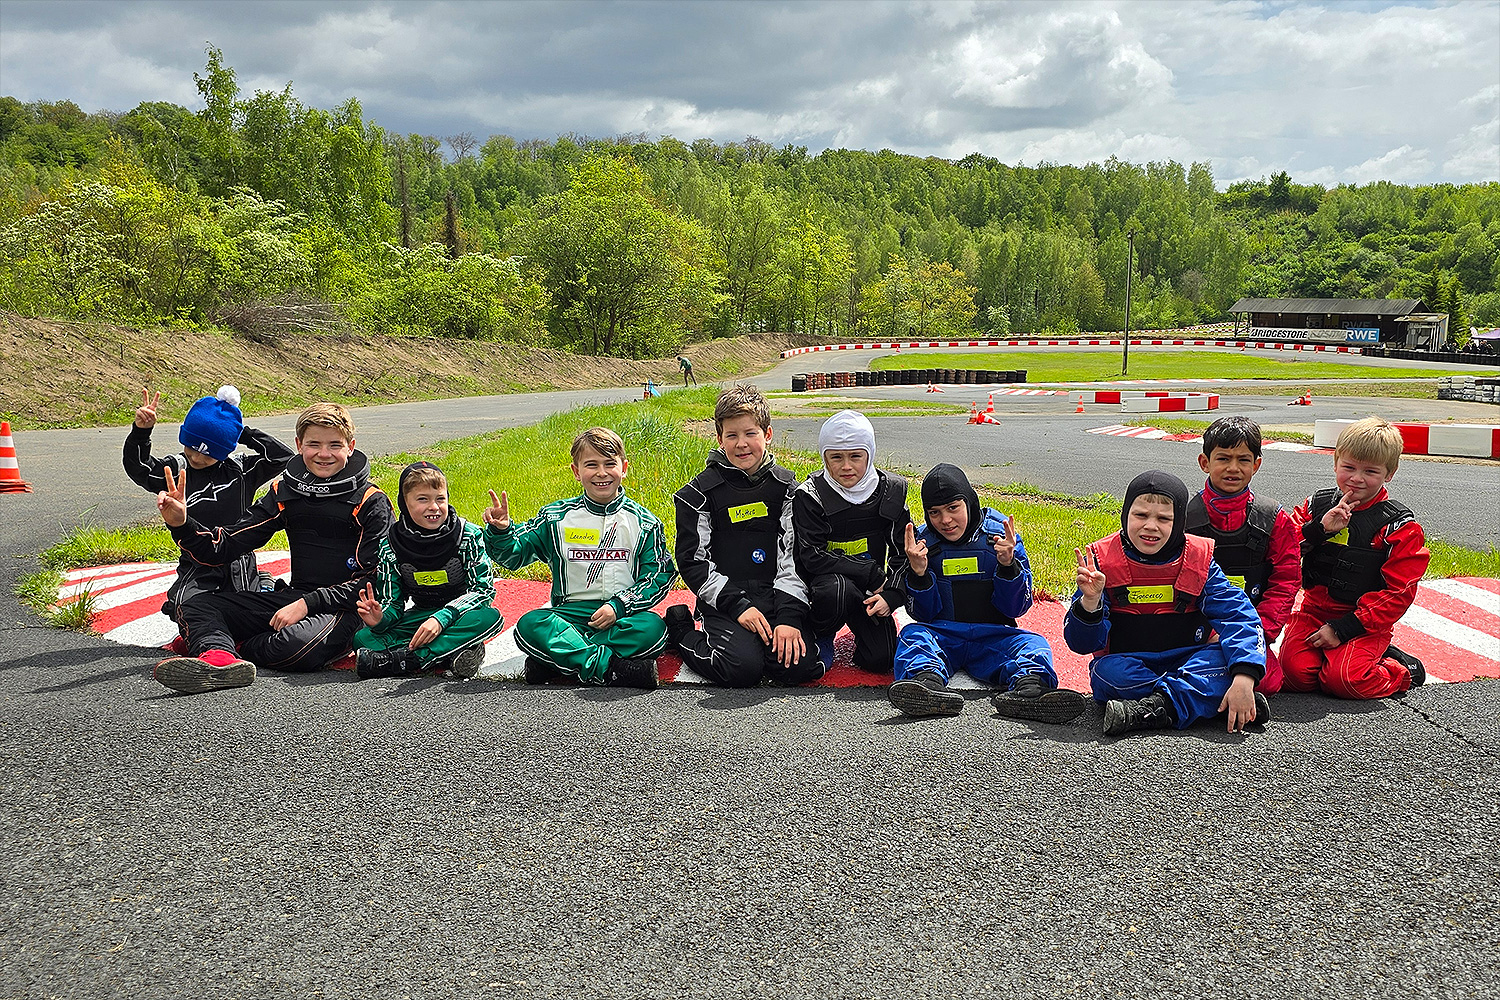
x=666, y=440
x=1184, y=425
x=1091, y=366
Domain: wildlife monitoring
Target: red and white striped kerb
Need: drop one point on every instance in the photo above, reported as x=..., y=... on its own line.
x=1075, y=342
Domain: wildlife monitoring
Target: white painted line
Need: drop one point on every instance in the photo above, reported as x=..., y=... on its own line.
x=98, y=583
x=152, y=630
x=1482, y=599
x=123, y=569
x=1447, y=630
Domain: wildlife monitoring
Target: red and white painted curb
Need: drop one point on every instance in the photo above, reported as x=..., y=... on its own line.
x=1149, y=401
x=1451, y=440
x=1454, y=627
x=1157, y=434
x=1076, y=342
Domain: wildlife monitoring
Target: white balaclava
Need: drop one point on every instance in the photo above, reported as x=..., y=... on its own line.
x=847, y=430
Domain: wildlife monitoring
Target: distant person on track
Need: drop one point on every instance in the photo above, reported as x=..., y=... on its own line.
x=435, y=561
x=1363, y=555
x=1255, y=541
x=218, y=485
x=610, y=565
x=1173, y=641
x=850, y=522
x=735, y=550
x=968, y=580
x=334, y=519
x=686, y=364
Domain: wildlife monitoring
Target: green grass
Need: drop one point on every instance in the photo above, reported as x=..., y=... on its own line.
x=1455, y=560
x=1094, y=366
x=1184, y=425
x=827, y=406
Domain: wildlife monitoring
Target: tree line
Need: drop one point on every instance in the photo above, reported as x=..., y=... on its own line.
x=261, y=210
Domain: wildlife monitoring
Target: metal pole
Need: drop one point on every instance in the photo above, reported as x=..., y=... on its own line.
x=1129, y=258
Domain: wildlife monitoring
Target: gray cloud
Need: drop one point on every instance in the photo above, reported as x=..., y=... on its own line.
x=1347, y=92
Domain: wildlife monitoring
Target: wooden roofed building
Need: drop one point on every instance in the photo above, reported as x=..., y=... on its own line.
x=1407, y=322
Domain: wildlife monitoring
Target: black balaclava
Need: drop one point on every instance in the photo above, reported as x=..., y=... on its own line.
x=415, y=544
x=1167, y=485
x=945, y=484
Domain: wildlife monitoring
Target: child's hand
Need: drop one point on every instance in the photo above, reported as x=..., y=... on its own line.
x=1005, y=545
x=603, y=618
x=1337, y=518
x=757, y=623
x=370, y=611
x=145, y=414
x=876, y=606
x=787, y=641
x=425, y=633
x=916, y=551
x=289, y=615
x=169, y=501
x=1090, y=580
x=1239, y=703
x=497, y=514
x=1325, y=638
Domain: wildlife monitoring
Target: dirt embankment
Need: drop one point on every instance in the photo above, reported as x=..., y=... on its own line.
x=63, y=374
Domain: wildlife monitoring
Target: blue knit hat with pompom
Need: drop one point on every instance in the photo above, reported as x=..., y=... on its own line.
x=213, y=424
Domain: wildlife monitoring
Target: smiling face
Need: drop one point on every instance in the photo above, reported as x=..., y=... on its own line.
x=324, y=450
x=744, y=441
x=427, y=505
x=197, y=459
x=1149, y=524
x=1359, y=478
x=600, y=475
x=1229, y=469
x=847, y=467
x=951, y=519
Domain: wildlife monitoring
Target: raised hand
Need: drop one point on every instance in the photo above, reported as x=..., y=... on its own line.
x=145, y=414
x=497, y=514
x=1005, y=545
x=916, y=551
x=1338, y=516
x=1090, y=580
x=170, y=502
x=369, y=609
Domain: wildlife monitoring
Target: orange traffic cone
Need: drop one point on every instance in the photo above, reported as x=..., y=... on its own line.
x=991, y=407
x=10, y=472
x=973, y=413
x=1307, y=399
x=1080, y=405
x=934, y=388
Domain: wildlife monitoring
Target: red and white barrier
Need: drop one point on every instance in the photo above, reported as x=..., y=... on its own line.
x=1077, y=342
x=1454, y=440
x=1149, y=401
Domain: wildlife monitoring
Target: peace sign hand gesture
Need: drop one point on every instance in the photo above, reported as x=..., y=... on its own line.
x=1090, y=581
x=370, y=611
x=1338, y=516
x=1005, y=545
x=170, y=502
x=145, y=414
x=497, y=514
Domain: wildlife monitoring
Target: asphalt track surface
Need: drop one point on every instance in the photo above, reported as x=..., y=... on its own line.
x=317, y=836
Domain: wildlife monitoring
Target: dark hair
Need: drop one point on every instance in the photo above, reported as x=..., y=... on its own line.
x=1226, y=432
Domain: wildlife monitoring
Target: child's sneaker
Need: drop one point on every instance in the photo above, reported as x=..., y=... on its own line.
x=1411, y=663
x=466, y=662
x=633, y=672
x=178, y=646
x=826, y=651
x=1033, y=697
x=925, y=693
x=538, y=672
x=372, y=663
x=1151, y=712
x=1262, y=710
x=190, y=675
x=679, y=623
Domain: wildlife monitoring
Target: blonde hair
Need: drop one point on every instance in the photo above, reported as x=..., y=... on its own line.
x=738, y=401
x=599, y=439
x=1371, y=440
x=326, y=415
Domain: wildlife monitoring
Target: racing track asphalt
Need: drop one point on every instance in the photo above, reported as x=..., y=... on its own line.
x=317, y=836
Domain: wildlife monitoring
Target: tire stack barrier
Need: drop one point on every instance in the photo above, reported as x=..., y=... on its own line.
x=1470, y=389
x=815, y=381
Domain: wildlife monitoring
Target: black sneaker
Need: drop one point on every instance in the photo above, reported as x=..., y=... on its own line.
x=466, y=662
x=1151, y=712
x=633, y=672
x=1262, y=710
x=1033, y=698
x=1411, y=663
x=538, y=672
x=191, y=675
x=925, y=693
x=372, y=663
x=679, y=623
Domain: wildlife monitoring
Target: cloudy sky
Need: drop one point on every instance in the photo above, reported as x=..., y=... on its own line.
x=1332, y=92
